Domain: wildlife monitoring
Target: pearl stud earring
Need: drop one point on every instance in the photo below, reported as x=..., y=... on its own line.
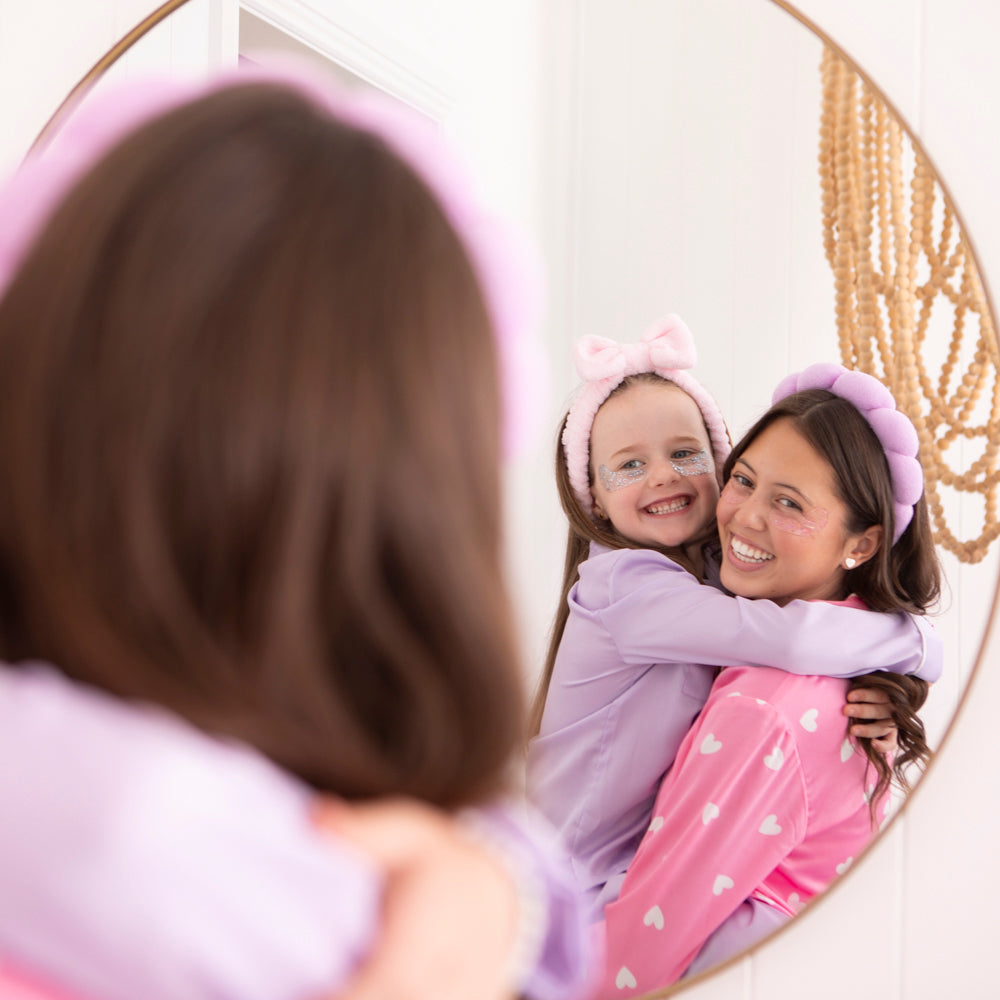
x=850, y=563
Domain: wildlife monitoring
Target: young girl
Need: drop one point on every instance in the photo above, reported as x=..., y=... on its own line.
x=637, y=641
x=767, y=801
x=250, y=342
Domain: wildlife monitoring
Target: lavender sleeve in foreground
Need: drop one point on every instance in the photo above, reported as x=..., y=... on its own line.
x=558, y=964
x=656, y=612
x=142, y=858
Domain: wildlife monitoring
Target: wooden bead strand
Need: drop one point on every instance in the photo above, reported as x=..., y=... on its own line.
x=890, y=271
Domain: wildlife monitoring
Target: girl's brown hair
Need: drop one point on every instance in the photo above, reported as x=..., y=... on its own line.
x=901, y=577
x=249, y=432
x=583, y=530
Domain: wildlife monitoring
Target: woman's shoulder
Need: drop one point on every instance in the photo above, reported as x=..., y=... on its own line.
x=797, y=702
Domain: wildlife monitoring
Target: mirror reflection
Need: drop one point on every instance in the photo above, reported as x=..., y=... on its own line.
x=694, y=188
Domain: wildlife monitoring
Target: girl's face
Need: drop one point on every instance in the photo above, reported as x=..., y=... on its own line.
x=653, y=471
x=782, y=525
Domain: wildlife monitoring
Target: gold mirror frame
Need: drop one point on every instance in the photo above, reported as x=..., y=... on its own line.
x=128, y=40
x=100, y=67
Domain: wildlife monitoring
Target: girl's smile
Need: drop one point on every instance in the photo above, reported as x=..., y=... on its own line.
x=672, y=505
x=654, y=473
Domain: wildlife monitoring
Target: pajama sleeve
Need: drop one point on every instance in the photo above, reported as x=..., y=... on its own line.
x=656, y=612
x=553, y=960
x=732, y=807
x=140, y=858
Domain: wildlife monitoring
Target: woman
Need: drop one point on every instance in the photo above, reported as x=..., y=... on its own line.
x=250, y=348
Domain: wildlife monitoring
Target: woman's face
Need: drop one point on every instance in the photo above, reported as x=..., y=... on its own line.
x=651, y=460
x=782, y=525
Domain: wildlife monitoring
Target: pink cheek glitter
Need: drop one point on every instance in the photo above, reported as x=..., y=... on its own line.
x=792, y=522
x=612, y=481
x=799, y=522
x=734, y=492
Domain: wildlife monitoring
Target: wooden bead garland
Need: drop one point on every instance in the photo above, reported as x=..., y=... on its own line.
x=892, y=261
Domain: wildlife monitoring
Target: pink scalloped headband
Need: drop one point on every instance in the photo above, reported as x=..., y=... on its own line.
x=505, y=265
x=894, y=430
x=667, y=350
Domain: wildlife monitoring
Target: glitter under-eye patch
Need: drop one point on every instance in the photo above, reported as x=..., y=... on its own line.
x=612, y=481
x=698, y=464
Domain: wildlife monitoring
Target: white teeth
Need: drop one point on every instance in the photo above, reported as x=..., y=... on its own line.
x=670, y=508
x=748, y=552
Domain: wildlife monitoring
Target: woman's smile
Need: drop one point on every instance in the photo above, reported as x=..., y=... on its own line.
x=747, y=556
x=781, y=522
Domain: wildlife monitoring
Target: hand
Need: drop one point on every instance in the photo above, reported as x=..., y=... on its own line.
x=871, y=715
x=449, y=908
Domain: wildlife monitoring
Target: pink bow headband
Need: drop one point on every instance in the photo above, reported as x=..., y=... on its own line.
x=667, y=350
x=505, y=266
x=894, y=430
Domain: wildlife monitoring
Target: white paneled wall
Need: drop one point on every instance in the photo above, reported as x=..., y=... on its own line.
x=694, y=188
x=577, y=115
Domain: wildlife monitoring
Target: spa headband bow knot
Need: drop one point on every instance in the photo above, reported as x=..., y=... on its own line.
x=894, y=430
x=666, y=350
x=669, y=348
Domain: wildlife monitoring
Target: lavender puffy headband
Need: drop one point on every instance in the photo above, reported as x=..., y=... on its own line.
x=504, y=264
x=876, y=404
x=603, y=364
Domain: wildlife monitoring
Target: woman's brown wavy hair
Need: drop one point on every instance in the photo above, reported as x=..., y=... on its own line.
x=249, y=432
x=901, y=577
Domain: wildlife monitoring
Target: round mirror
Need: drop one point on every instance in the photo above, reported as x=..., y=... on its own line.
x=681, y=174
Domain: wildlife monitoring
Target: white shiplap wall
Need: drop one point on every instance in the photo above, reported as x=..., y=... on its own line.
x=553, y=99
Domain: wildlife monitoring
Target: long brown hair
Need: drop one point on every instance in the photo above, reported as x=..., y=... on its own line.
x=583, y=530
x=249, y=432
x=901, y=577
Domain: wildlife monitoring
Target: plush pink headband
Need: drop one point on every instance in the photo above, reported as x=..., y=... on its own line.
x=604, y=364
x=506, y=267
x=895, y=432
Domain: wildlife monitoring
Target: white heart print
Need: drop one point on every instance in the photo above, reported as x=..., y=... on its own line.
x=710, y=744
x=710, y=812
x=656, y=824
x=844, y=865
x=625, y=980
x=722, y=883
x=775, y=759
x=846, y=751
x=793, y=901
x=808, y=720
x=654, y=918
x=770, y=826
